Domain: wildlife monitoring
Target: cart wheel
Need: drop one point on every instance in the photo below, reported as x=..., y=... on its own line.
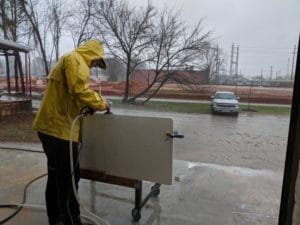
x=136, y=214
x=156, y=191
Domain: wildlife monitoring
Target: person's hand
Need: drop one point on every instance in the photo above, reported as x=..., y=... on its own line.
x=91, y=111
x=87, y=111
x=108, y=107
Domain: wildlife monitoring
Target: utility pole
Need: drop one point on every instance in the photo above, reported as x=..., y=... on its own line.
x=237, y=61
x=234, y=51
x=231, y=60
x=217, y=66
x=261, y=77
x=271, y=72
x=294, y=56
x=288, y=68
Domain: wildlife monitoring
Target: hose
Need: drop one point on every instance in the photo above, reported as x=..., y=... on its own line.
x=73, y=178
x=18, y=206
x=22, y=204
x=20, y=149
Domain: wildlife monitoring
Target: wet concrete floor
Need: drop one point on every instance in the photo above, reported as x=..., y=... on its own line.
x=201, y=194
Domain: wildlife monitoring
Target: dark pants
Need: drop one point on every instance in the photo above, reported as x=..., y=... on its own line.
x=60, y=199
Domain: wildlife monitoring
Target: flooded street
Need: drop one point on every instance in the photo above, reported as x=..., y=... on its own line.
x=252, y=141
x=249, y=140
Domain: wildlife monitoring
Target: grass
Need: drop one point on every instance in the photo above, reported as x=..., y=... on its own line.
x=203, y=107
x=270, y=110
x=183, y=107
x=17, y=128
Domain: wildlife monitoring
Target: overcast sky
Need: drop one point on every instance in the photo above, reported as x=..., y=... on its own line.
x=265, y=30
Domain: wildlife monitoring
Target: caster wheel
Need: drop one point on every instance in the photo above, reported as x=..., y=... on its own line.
x=156, y=191
x=136, y=215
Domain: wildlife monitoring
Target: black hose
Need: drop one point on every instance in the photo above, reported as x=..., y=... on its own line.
x=18, y=207
x=21, y=149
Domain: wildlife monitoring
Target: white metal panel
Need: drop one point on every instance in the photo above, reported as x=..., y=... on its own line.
x=128, y=146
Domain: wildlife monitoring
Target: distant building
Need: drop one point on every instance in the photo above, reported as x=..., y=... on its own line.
x=281, y=83
x=236, y=80
x=174, y=76
x=256, y=81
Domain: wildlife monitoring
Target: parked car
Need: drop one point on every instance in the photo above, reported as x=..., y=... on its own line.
x=225, y=102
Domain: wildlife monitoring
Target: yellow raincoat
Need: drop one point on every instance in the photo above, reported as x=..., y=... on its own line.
x=68, y=92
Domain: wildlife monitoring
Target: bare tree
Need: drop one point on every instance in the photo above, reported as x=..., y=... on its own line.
x=58, y=15
x=174, y=46
x=214, y=59
x=124, y=30
x=115, y=70
x=29, y=8
x=81, y=26
x=47, y=20
x=5, y=21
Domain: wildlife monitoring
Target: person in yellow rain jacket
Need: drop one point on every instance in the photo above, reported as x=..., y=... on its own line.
x=66, y=94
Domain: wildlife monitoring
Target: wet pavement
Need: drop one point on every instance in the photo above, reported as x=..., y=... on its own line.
x=227, y=171
x=201, y=194
x=250, y=140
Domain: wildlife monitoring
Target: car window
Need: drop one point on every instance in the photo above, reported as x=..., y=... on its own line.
x=225, y=96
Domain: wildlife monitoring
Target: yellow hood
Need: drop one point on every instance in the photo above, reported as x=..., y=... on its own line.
x=68, y=92
x=91, y=50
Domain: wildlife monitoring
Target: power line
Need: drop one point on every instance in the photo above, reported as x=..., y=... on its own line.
x=294, y=55
x=234, y=52
x=260, y=56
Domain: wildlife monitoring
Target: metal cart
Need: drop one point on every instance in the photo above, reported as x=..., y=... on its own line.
x=125, y=150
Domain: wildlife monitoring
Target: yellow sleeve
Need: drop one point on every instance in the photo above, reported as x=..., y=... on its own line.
x=77, y=77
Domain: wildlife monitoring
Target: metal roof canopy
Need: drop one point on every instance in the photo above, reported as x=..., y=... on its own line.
x=10, y=48
x=7, y=45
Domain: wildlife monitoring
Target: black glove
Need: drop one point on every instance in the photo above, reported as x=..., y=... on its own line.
x=85, y=111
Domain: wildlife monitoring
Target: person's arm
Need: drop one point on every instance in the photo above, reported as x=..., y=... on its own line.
x=77, y=81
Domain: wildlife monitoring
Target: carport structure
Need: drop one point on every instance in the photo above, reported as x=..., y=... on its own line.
x=21, y=82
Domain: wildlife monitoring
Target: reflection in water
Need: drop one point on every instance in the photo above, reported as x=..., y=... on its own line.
x=154, y=218
x=12, y=98
x=226, y=119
